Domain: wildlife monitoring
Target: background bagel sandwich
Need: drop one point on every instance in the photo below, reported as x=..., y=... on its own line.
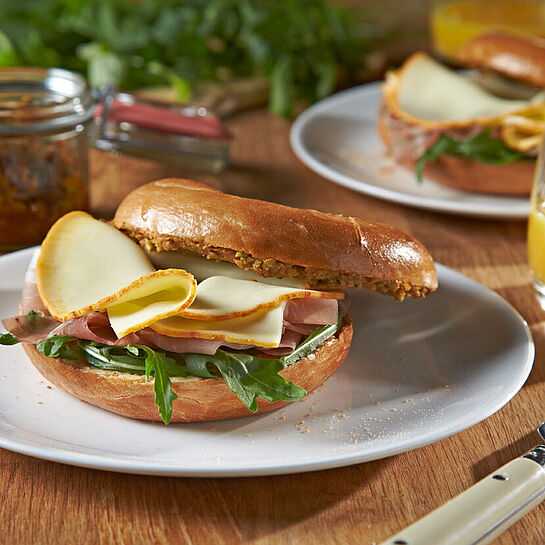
x=476, y=131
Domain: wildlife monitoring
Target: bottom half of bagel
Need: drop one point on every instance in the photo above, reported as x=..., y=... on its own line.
x=509, y=179
x=198, y=399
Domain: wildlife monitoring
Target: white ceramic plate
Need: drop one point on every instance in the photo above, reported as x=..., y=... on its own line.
x=417, y=372
x=337, y=138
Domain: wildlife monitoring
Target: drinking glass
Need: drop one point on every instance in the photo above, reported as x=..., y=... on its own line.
x=536, y=227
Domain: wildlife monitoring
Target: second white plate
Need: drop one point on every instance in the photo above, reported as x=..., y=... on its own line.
x=337, y=138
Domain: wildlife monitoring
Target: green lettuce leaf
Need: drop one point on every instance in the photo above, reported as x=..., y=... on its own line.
x=483, y=148
x=197, y=365
x=162, y=368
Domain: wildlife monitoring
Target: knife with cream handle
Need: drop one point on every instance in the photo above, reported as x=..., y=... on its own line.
x=488, y=508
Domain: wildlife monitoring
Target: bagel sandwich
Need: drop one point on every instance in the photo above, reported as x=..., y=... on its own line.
x=475, y=131
x=195, y=305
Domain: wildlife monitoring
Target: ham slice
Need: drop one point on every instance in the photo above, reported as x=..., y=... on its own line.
x=185, y=345
x=301, y=317
x=312, y=311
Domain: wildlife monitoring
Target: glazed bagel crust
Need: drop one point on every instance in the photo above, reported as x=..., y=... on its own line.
x=175, y=214
x=198, y=399
x=518, y=57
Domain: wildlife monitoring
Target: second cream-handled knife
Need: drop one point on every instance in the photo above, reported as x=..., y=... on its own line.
x=488, y=508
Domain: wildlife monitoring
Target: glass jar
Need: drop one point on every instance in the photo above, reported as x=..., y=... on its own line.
x=536, y=228
x=44, y=121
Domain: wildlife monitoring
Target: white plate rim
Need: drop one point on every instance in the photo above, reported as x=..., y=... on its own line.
x=125, y=465
x=497, y=211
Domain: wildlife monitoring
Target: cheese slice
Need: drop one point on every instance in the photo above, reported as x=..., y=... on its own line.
x=524, y=131
x=262, y=328
x=150, y=298
x=431, y=91
x=222, y=298
x=86, y=265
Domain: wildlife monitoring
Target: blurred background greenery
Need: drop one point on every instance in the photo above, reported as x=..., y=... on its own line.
x=284, y=51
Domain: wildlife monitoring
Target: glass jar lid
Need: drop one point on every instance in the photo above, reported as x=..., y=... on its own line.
x=42, y=100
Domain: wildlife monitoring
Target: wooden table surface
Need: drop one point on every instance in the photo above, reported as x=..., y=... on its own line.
x=44, y=502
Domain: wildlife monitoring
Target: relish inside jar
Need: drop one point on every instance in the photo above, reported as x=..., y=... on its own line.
x=44, y=118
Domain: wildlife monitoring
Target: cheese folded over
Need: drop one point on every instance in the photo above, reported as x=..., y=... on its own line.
x=86, y=265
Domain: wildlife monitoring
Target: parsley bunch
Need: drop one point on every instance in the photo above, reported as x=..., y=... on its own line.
x=301, y=46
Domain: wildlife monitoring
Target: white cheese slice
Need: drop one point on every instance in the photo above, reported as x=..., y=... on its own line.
x=222, y=298
x=262, y=328
x=86, y=265
x=153, y=297
x=430, y=91
x=202, y=268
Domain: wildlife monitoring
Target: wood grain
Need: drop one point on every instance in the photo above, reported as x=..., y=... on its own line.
x=43, y=502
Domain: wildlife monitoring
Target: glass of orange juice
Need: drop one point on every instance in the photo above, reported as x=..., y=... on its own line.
x=454, y=22
x=536, y=228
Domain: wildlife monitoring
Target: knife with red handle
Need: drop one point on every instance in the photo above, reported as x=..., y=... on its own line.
x=160, y=119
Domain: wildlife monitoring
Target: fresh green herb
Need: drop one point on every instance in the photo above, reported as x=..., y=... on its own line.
x=162, y=368
x=483, y=148
x=60, y=346
x=7, y=339
x=197, y=364
x=248, y=376
x=125, y=359
x=301, y=46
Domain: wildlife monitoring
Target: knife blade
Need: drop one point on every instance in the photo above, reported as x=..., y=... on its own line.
x=485, y=510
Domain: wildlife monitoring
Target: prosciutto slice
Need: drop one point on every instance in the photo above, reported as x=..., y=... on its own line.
x=301, y=317
x=312, y=311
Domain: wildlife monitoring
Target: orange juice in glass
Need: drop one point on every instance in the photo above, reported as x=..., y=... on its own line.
x=454, y=22
x=536, y=228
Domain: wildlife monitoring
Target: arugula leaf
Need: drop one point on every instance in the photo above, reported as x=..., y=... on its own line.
x=197, y=364
x=60, y=346
x=114, y=358
x=483, y=148
x=160, y=365
x=250, y=377
x=8, y=339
